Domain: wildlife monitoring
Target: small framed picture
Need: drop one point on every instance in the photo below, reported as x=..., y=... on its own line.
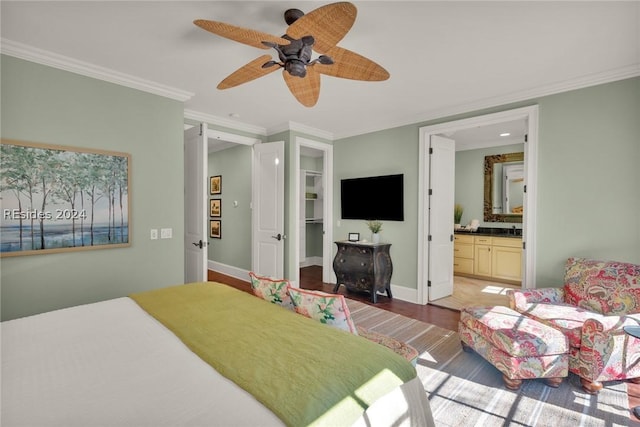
x=216, y=184
x=215, y=229
x=354, y=237
x=215, y=208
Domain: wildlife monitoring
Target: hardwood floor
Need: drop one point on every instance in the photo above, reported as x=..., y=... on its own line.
x=311, y=278
x=468, y=291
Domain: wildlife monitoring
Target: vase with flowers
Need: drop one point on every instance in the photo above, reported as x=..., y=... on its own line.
x=375, y=227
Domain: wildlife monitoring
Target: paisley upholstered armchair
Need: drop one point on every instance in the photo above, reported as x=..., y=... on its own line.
x=597, y=300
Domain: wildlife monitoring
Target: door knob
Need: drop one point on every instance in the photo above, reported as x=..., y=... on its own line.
x=278, y=237
x=200, y=244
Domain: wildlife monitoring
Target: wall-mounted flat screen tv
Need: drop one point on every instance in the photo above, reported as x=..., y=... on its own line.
x=375, y=197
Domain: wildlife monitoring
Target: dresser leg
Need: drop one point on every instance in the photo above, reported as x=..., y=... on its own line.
x=336, y=287
x=374, y=296
x=389, y=293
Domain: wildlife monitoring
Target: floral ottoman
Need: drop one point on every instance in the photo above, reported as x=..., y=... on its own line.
x=519, y=347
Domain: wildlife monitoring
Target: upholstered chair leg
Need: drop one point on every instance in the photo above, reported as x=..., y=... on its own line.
x=553, y=382
x=511, y=384
x=591, y=387
x=466, y=348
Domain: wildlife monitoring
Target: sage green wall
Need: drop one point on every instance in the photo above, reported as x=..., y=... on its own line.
x=234, y=165
x=46, y=105
x=387, y=152
x=588, y=179
x=470, y=183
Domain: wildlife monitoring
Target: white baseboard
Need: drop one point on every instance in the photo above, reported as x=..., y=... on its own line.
x=312, y=260
x=404, y=294
x=399, y=292
x=228, y=270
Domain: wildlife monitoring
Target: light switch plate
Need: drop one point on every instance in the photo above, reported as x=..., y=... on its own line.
x=166, y=233
x=154, y=234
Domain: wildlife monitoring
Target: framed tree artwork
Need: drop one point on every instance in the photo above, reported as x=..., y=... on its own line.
x=57, y=198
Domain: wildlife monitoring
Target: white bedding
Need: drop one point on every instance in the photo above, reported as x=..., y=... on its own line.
x=112, y=364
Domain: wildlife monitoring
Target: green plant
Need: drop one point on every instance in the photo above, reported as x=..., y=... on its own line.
x=457, y=213
x=375, y=226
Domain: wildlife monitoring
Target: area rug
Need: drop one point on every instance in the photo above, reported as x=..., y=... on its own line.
x=465, y=390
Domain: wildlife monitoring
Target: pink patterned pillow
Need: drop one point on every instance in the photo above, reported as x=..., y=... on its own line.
x=327, y=308
x=606, y=287
x=272, y=290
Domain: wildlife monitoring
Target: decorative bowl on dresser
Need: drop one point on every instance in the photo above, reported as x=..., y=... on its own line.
x=363, y=267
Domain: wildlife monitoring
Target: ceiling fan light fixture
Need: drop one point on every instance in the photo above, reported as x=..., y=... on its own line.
x=296, y=67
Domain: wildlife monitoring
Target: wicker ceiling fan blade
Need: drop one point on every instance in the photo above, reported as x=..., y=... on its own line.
x=350, y=65
x=242, y=35
x=248, y=72
x=305, y=89
x=327, y=24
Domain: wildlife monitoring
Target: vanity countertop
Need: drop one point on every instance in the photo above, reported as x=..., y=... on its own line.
x=498, y=232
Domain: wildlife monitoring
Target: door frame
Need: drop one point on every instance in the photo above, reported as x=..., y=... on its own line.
x=530, y=114
x=212, y=137
x=328, y=275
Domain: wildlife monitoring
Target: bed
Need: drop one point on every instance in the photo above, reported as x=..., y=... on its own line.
x=200, y=354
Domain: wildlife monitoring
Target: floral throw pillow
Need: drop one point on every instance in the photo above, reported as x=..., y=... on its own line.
x=327, y=308
x=272, y=290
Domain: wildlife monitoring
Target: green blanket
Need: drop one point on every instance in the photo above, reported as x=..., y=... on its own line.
x=305, y=372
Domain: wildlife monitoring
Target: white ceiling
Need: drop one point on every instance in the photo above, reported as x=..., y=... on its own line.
x=444, y=57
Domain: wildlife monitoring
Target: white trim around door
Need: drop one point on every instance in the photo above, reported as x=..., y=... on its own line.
x=327, y=175
x=530, y=114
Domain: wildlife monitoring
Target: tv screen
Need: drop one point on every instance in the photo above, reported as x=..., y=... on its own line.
x=376, y=197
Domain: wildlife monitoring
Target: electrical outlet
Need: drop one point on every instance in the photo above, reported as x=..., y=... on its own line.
x=166, y=233
x=154, y=234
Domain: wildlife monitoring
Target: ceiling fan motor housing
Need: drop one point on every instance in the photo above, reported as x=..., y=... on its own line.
x=292, y=15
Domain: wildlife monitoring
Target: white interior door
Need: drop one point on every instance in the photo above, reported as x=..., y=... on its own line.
x=195, y=209
x=441, y=201
x=268, y=209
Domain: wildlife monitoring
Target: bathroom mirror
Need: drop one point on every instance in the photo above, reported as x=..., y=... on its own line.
x=504, y=187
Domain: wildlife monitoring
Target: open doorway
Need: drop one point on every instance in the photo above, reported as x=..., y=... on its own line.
x=228, y=250
x=313, y=171
x=528, y=116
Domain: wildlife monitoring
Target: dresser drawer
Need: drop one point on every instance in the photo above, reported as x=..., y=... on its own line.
x=463, y=265
x=462, y=251
x=510, y=242
x=482, y=240
x=459, y=238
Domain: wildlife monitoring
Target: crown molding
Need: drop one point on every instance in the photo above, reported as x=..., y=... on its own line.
x=528, y=95
x=224, y=122
x=298, y=127
x=43, y=57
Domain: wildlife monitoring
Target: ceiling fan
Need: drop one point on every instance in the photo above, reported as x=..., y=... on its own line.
x=319, y=30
